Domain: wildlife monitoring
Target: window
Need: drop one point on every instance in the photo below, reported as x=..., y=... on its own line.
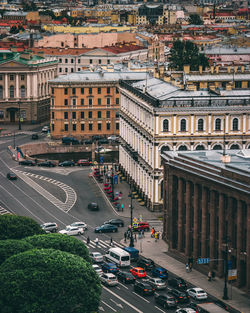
x=79, y=69
x=90, y=127
x=108, y=114
x=53, y=127
x=90, y=61
x=74, y=127
x=238, y=84
x=108, y=61
x=235, y=124
x=72, y=60
x=90, y=102
x=90, y=91
x=218, y=124
x=60, y=70
x=66, y=115
x=72, y=70
x=99, y=114
x=82, y=101
x=183, y=125
x=52, y=90
x=1, y=92
x=73, y=101
x=65, y=101
x=165, y=125
x=99, y=126
x=22, y=77
x=66, y=70
x=117, y=90
x=12, y=92
x=82, y=91
x=1, y=115
x=99, y=101
x=200, y=124
x=117, y=126
x=66, y=127
x=90, y=114
x=99, y=90
x=73, y=115
x=60, y=60
x=224, y=85
x=108, y=90
x=53, y=115
x=82, y=127
x=117, y=101
x=65, y=91
x=11, y=77
x=79, y=61
x=66, y=60
x=108, y=101
x=73, y=91
x=100, y=61
x=82, y=115
x=22, y=91
x=1, y=77
x=108, y=126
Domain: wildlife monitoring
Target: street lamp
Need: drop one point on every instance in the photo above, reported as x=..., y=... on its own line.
x=131, y=244
x=19, y=120
x=225, y=294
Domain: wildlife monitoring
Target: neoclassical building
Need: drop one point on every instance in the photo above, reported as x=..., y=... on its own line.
x=156, y=116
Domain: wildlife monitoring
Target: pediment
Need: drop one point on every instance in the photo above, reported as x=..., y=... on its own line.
x=12, y=64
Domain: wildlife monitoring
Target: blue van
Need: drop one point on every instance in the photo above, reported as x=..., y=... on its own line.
x=134, y=253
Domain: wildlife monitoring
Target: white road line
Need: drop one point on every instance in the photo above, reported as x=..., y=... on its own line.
x=123, y=285
x=140, y=297
x=109, y=306
x=159, y=309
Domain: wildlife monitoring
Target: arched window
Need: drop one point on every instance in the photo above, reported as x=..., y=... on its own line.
x=218, y=124
x=235, y=124
x=22, y=91
x=1, y=92
x=183, y=125
x=182, y=148
x=12, y=91
x=217, y=147
x=165, y=126
x=200, y=147
x=235, y=147
x=200, y=124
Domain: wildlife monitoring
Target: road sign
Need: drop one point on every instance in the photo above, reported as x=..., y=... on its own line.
x=135, y=219
x=203, y=261
x=232, y=274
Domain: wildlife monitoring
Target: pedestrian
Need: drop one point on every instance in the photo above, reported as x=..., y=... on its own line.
x=213, y=275
x=88, y=240
x=111, y=242
x=142, y=232
x=187, y=268
x=135, y=237
x=125, y=236
x=190, y=263
x=96, y=242
x=153, y=232
x=156, y=236
x=209, y=276
x=122, y=207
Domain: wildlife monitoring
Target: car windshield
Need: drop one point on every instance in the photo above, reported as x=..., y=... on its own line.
x=112, y=266
x=182, y=294
x=68, y=228
x=141, y=271
x=125, y=258
x=159, y=281
x=200, y=291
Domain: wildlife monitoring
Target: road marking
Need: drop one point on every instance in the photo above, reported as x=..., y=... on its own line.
x=140, y=297
x=123, y=285
x=159, y=309
x=101, y=308
x=109, y=306
x=4, y=211
x=118, y=304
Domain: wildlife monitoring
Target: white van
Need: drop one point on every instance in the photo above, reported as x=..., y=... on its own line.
x=118, y=256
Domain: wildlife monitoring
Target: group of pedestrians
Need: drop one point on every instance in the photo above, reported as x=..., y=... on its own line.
x=155, y=234
x=189, y=265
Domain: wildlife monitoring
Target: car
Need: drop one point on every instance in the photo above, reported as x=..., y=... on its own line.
x=103, y=141
x=109, y=279
x=96, y=138
x=45, y=129
x=84, y=162
x=185, y=310
x=113, y=138
x=159, y=272
x=72, y=231
x=165, y=300
x=157, y=283
x=70, y=140
x=137, y=226
x=34, y=136
x=197, y=293
x=180, y=295
x=88, y=142
x=109, y=267
x=145, y=263
x=106, y=228
x=98, y=270
x=27, y=163
x=115, y=221
x=177, y=283
x=143, y=288
x=93, y=206
x=47, y=164
x=79, y=225
x=67, y=163
x=50, y=227
x=96, y=257
x=11, y=176
x=138, y=272
x=125, y=277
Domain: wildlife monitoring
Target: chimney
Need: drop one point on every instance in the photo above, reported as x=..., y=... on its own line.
x=229, y=69
x=200, y=69
x=186, y=69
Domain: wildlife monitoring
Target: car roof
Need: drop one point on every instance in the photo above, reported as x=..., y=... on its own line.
x=138, y=268
x=197, y=289
x=110, y=275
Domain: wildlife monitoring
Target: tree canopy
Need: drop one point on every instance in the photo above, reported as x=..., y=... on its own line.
x=18, y=227
x=186, y=53
x=47, y=280
x=10, y=247
x=195, y=19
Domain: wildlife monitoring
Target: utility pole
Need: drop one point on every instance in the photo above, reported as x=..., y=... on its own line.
x=131, y=244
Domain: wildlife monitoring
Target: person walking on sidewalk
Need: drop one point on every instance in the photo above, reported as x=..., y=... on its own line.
x=142, y=233
x=135, y=238
x=156, y=236
x=122, y=207
x=125, y=236
x=187, y=268
x=153, y=232
x=209, y=276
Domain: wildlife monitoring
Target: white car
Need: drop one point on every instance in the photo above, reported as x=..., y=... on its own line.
x=109, y=279
x=97, y=269
x=96, y=257
x=45, y=129
x=113, y=137
x=197, y=293
x=72, y=231
x=79, y=225
x=185, y=310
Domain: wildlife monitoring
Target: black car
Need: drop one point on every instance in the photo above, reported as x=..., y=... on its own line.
x=88, y=142
x=143, y=288
x=67, y=163
x=47, y=164
x=180, y=295
x=177, y=283
x=11, y=176
x=165, y=300
x=27, y=162
x=93, y=206
x=115, y=221
x=96, y=137
x=103, y=141
x=145, y=263
x=107, y=228
x=34, y=136
x=126, y=277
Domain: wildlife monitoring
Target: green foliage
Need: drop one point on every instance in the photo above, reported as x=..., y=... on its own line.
x=186, y=53
x=29, y=6
x=60, y=242
x=48, y=12
x=48, y=281
x=10, y=247
x=18, y=227
x=195, y=19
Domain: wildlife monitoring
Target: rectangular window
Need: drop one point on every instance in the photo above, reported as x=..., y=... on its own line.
x=73, y=115
x=108, y=61
x=108, y=101
x=90, y=61
x=60, y=60
x=53, y=115
x=117, y=101
x=22, y=77
x=90, y=126
x=99, y=90
x=238, y=84
x=66, y=70
x=117, y=114
x=90, y=91
x=82, y=91
x=65, y=101
x=52, y=90
x=82, y=101
x=73, y=91
x=66, y=60
x=108, y=114
x=72, y=70
x=99, y=127
x=1, y=77
x=82, y=127
x=79, y=69
x=60, y=70
x=79, y=61
x=73, y=101
x=66, y=115
x=11, y=77
x=52, y=101
x=90, y=114
x=53, y=127
x=82, y=115
x=117, y=90
x=74, y=127
x=117, y=126
x=99, y=101
x=65, y=91
x=108, y=126
x=108, y=90
x=1, y=114
x=90, y=102
x=100, y=61
x=66, y=127
x=72, y=60
x=99, y=114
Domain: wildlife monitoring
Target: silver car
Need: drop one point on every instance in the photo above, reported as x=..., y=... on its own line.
x=98, y=270
x=96, y=257
x=109, y=279
x=157, y=283
x=79, y=225
x=50, y=227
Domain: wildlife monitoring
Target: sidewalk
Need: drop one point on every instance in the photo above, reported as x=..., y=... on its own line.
x=7, y=130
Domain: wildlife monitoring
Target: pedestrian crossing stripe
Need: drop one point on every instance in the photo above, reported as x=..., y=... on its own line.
x=103, y=244
x=4, y=211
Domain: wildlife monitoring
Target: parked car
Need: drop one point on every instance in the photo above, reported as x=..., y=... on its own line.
x=93, y=206
x=84, y=162
x=96, y=138
x=185, y=310
x=113, y=138
x=96, y=257
x=88, y=142
x=177, y=283
x=115, y=221
x=98, y=270
x=67, y=163
x=72, y=231
x=47, y=164
x=34, y=136
x=108, y=267
x=11, y=176
x=160, y=272
x=143, y=288
x=138, y=272
x=145, y=263
x=45, y=129
x=50, y=227
x=27, y=163
x=109, y=279
x=70, y=140
x=180, y=295
x=157, y=283
x=165, y=300
x=137, y=226
x=197, y=293
x=103, y=141
x=106, y=228
x=79, y=225
x=126, y=277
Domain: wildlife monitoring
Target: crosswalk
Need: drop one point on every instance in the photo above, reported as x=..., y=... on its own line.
x=103, y=244
x=4, y=211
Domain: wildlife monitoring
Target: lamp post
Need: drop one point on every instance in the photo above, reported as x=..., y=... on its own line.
x=19, y=120
x=225, y=294
x=14, y=139
x=131, y=244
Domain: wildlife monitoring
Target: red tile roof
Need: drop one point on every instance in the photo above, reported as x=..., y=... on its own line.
x=61, y=51
x=123, y=48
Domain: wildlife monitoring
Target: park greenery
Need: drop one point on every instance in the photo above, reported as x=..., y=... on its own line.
x=195, y=19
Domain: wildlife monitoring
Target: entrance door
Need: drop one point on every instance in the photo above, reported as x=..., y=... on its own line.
x=12, y=116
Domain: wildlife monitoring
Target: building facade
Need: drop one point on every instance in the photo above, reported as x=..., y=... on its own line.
x=207, y=208
x=157, y=116
x=24, y=89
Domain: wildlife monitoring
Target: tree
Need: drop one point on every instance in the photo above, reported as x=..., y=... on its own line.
x=18, y=227
x=195, y=19
x=59, y=242
x=186, y=53
x=10, y=247
x=47, y=281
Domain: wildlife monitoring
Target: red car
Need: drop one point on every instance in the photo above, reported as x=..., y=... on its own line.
x=137, y=226
x=84, y=162
x=138, y=272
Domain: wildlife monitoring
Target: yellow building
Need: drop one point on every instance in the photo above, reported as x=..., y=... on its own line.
x=87, y=29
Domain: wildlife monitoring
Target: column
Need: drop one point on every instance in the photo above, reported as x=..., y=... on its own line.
x=6, y=86
x=195, y=233
x=28, y=86
x=221, y=233
x=174, y=121
x=226, y=126
x=168, y=223
x=204, y=223
x=180, y=196
x=212, y=224
x=230, y=218
x=188, y=228
x=209, y=123
x=244, y=123
x=17, y=87
x=192, y=124
x=157, y=125
x=239, y=238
